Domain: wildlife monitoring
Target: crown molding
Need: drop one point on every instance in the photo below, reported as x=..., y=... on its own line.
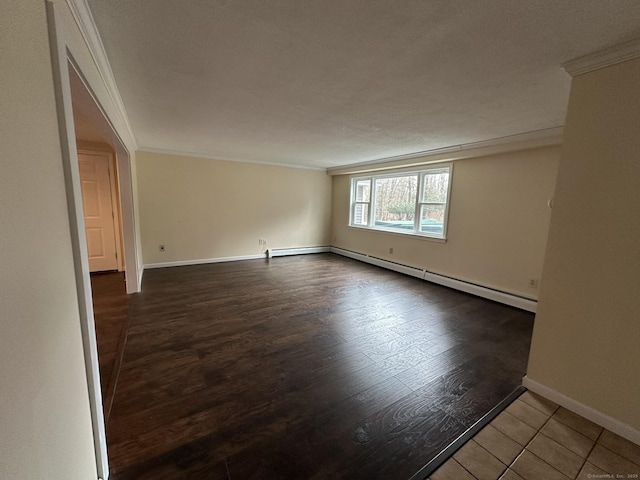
x=603, y=58
x=522, y=141
x=84, y=19
x=223, y=158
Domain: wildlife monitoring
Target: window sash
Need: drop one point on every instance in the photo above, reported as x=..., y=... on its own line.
x=364, y=217
x=419, y=202
x=376, y=196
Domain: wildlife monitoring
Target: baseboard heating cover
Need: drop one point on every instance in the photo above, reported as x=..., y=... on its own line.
x=485, y=292
x=281, y=252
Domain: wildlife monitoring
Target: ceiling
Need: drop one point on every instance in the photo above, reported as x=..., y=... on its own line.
x=335, y=82
x=85, y=130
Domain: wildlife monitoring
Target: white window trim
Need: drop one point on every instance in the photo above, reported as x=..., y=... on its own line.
x=419, y=203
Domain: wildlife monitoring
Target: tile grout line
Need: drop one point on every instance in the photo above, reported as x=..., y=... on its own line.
x=611, y=451
x=541, y=411
x=577, y=431
x=481, y=446
x=462, y=466
x=544, y=461
x=529, y=443
x=590, y=450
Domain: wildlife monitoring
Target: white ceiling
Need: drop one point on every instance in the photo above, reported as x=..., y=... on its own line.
x=332, y=82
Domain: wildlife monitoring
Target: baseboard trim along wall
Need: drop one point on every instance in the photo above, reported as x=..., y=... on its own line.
x=596, y=416
x=478, y=290
x=200, y=261
x=274, y=252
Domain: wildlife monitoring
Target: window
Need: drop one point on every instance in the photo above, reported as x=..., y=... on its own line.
x=362, y=202
x=413, y=203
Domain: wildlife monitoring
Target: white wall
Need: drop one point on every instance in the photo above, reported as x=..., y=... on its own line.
x=498, y=223
x=202, y=209
x=45, y=422
x=587, y=332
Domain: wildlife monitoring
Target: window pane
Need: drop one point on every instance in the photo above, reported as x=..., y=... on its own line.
x=432, y=219
x=435, y=187
x=361, y=214
x=363, y=190
x=396, y=202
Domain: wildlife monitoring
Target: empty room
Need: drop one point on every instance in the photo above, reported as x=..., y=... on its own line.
x=320, y=240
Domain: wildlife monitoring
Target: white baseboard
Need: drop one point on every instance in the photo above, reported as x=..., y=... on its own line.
x=612, y=424
x=273, y=252
x=201, y=261
x=281, y=252
x=478, y=290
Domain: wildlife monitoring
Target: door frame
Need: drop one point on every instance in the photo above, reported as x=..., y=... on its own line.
x=130, y=256
x=66, y=70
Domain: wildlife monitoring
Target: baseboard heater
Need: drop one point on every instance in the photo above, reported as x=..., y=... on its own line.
x=489, y=293
x=281, y=252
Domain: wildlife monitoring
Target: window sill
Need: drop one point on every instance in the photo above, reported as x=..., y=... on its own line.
x=400, y=234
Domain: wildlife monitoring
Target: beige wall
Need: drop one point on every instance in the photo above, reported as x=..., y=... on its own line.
x=201, y=208
x=45, y=423
x=587, y=331
x=498, y=222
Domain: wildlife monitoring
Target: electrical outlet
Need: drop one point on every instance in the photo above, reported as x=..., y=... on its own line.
x=533, y=283
x=391, y=250
x=161, y=248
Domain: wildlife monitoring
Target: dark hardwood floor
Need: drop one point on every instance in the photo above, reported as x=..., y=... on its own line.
x=306, y=367
x=111, y=312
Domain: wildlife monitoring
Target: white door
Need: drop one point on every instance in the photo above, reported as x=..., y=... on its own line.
x=98, y=211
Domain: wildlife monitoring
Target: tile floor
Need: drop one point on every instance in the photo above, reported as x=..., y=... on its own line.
x=535, y=439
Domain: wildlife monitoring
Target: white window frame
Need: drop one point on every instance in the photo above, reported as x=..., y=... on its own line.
x=419, y=202
x=355, y=203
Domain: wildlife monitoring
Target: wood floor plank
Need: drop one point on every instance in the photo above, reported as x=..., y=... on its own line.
x=313, y=366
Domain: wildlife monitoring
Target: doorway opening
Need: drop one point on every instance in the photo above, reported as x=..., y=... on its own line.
x=101, y=206
x=102, y=212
